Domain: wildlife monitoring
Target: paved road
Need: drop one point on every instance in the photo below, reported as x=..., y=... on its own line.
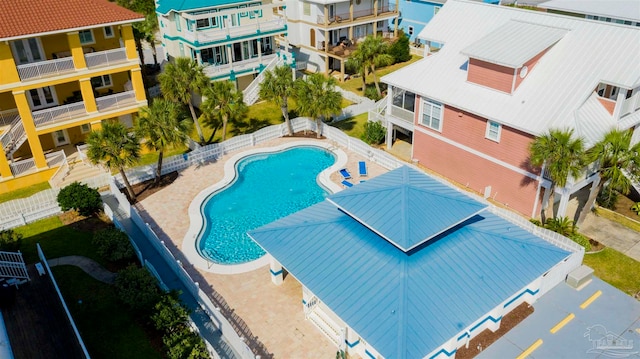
x=613, y=235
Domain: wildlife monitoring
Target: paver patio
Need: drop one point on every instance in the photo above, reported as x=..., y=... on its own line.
x=273, y=313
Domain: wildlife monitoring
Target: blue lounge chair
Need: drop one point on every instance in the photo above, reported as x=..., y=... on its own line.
x=362, y=168
x=345, y=174
x=347, y=183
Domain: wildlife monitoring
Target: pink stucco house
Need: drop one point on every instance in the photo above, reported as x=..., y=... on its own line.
x=502, y=77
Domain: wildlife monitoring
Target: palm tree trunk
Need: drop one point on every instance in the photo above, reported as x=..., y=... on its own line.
x=132, y=195
x=195, y=122
x=159, y=169
x=590, y=201
x=375, y=79
x=212, y=134
x=224, y=127
x=364, y=78
x=552, y=199
x=318, y=127
x=285, y=114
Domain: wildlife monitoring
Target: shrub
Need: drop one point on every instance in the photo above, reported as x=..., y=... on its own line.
x=581, y=240
x=372, y=93
x=636, y=208
x=184, y=344
x=374, y=133
x=137, y=288
x=10, y=240
x=80, y=197
x=561, y=225
x=536, y=222
x=113, y=244
x=607, y=198
x=400, y=48
x=170, y=314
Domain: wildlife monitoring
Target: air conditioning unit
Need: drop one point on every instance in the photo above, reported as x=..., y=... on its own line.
x=579, y=276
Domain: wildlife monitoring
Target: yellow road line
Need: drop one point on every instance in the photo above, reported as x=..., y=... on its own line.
x=562, y=323
x=591, y=299
x=530, y=349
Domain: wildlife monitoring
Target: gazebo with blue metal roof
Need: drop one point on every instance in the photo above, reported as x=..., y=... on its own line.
x=411, y=267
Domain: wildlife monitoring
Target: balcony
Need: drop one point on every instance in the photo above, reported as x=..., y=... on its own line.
x=106, y=58
x=250, y=65
x=229, y=33
x=343, y=18
x=77, y=110
x=402, y=114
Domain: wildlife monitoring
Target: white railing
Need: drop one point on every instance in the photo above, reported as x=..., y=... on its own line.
x=8, y=116
x=13, y=138
x=23, y=166
x=402, y=114
x=240, y=66
x=59, y=113
x=12, y=265
x=116, y=101
x=62, y=171
x=106, y=58
x=45, y=68
x=252, y=93
x=206, y=36
x=64, y=304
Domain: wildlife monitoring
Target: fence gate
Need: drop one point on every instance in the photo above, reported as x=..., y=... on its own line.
x=12, y=265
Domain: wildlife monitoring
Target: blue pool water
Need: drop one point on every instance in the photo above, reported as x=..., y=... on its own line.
x=268, y=187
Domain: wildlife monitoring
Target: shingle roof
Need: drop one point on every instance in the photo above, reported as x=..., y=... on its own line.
x=406, y=305
x=561, y=82
x=406, y=207
x=166, y=6
x=21, y=18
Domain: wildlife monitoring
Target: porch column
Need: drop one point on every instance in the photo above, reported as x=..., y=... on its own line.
x=326, y=15
x=26, y=117
x=275, y=269
x=350, y=13
x=129, y=41
x=389, y=138
x=564, y=201
x=342, y=61
x=137, y=84
x=76, y=50
x=375, y=13
x=229, y=57
x=199, y=57
x=351, y=34
x=395, y=22
x=260, y=50
x=96, y=125
x=87, y=95
x=5, y=170
x=8, y=69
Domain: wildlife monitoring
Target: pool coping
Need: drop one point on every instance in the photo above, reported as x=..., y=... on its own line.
x=196, y=220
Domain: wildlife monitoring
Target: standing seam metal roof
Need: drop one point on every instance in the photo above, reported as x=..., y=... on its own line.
x=166, y=6
x=406, y=304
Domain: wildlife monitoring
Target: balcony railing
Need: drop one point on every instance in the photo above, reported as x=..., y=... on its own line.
x=585, y=173
x=13, y=138
x=45, y=68
x=240, y=66
x=106, y=58
x=21, y=167
x=59, y=113
x=116, y=101
x=206, y=36
x=8, y=116
x=402, y=114
x=342, y=17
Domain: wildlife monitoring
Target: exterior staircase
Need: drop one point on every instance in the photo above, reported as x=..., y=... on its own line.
x=252, y=93
x=14, y=136
x=79, y=171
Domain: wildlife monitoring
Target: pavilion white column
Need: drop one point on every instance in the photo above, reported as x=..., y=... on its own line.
x=275, y=269
x=564, y=201
x=387, y=112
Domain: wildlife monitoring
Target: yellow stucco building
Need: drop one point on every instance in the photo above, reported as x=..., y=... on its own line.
x=65, y=66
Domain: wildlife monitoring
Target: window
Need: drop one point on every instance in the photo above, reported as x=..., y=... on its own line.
x=101, y=81
x=200, y=23
x=108, y=32
x=493, y=131
x=176, y=19
x=410, y=30
x=432, y=115
x=306, y=9
x=85, y=127
x=86, y=37
x=403, y=99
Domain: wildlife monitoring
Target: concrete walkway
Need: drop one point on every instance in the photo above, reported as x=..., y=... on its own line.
x=88, y=265
x=613, y=235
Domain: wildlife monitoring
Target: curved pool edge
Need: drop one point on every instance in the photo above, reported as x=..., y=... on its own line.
x=196, y=220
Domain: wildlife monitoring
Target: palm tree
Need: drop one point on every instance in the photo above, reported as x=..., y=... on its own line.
x=317, y=97
x=375, y=54
x=619, y=164
x=562, y=155
x=164, y=125
x=357, y=62
x=179, y=79
x=224, y=101
x=114, y=147
x=276, y=87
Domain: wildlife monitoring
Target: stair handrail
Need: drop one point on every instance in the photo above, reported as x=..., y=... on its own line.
x=13, y=138
x=250, y=93
x=60, y=173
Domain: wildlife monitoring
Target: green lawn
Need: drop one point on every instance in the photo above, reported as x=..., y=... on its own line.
x=108, y=329
x=24, y=192
x=616, y=269
x=354, y=84
x=152, y=157
x=353, y=126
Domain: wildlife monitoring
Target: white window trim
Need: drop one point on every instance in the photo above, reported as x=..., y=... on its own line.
x=93, y=37
x=87, y=130
x=103, y=85
x=104, y=31
x=431, y=104
x=487, y=133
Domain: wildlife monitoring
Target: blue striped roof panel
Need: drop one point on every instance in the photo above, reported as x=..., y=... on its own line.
x=407, y=304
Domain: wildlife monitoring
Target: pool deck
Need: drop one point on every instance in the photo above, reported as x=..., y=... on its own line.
x=273, y=313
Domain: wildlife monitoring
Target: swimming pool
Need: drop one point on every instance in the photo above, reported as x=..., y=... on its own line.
x=268, y=186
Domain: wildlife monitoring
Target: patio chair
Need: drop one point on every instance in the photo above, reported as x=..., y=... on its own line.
x=362, y=168
x=345, y=174
x=347, y=184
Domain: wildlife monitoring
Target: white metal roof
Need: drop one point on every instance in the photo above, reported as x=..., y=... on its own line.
x=616, y=9
x=514, y=43
x=589, y=53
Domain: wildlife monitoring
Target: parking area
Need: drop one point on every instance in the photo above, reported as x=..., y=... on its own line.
x=598, y=321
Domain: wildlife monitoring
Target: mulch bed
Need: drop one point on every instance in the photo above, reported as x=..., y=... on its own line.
x=487, y=337
x=85, y=224
x=307, y=134
x=147, y=188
